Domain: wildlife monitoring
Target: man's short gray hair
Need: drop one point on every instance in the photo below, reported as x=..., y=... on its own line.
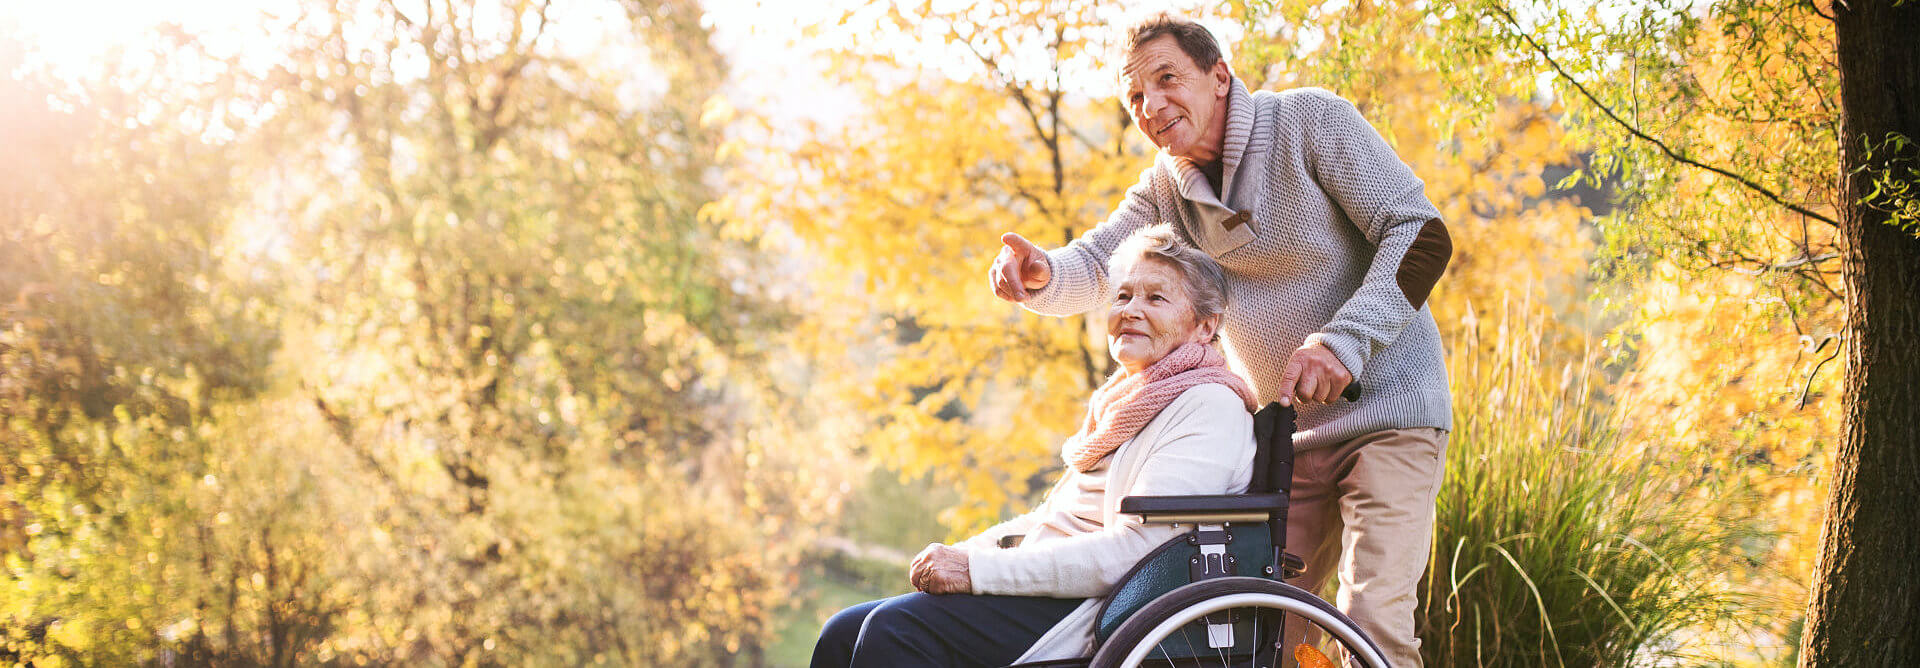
x=1193, y=38
x=1206, y=281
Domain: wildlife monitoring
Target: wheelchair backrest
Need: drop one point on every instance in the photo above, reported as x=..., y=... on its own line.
x=1273, y=449
x=1255, y=546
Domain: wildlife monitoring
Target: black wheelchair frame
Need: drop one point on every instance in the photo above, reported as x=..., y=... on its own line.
x=1192, y=576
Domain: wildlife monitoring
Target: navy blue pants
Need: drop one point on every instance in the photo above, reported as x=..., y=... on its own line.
x=949, y=630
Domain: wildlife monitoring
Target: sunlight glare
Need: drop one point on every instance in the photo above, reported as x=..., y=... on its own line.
x=77, y=34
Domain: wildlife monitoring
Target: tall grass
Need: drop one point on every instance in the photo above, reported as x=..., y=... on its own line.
x=1556, y=541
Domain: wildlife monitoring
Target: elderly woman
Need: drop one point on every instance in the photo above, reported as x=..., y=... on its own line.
x=1173, y=421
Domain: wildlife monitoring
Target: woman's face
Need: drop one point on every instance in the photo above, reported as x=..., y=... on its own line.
x=1152, y=314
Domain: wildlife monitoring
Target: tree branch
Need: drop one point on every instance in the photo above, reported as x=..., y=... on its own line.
x=1074, y=132
x=1810, y=264
x=1007, y=81
x=1643, y=136
x=1815, y=8
x=1808, y=387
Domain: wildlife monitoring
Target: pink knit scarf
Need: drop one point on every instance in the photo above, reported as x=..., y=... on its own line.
x=1128, y=401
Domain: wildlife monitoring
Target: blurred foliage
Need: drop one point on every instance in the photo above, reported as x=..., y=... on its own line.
x=408, y=347
x=970, y=127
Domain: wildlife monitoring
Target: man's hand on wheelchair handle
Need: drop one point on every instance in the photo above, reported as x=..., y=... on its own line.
x=941, y=569
x=1313, y=374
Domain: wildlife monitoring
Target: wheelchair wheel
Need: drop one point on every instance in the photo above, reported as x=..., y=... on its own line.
x=1238, y=621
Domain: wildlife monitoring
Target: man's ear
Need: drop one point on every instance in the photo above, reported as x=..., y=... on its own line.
x=1222, y=78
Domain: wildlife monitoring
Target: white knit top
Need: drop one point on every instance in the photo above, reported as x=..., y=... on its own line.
x=1202, y=443
x=1332, y=214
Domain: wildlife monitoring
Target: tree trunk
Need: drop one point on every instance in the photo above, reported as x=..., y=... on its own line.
x=1865, y=608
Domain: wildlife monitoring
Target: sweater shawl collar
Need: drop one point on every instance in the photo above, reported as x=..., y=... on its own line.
x=1188, y=177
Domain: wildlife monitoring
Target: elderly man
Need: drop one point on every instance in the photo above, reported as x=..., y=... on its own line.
x=1330, y=248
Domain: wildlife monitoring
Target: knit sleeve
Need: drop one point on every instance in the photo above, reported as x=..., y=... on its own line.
x=1380, y=196
x=1079, y=280
x=1206, y=447
x=990, y=538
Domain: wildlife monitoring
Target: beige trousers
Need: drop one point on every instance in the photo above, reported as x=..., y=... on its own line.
x=1363, y=510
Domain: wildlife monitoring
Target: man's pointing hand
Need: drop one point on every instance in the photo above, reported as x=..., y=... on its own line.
x=1020, y=266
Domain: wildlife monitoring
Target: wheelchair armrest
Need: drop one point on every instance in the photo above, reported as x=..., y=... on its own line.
x=1207, y=509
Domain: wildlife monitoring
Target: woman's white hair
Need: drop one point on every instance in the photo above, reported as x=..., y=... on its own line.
x=1206, y=281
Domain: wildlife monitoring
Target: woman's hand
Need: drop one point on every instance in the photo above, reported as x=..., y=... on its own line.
x=918, y=565
x=941, y=569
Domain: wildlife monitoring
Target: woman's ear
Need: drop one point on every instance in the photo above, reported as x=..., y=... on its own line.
x=1204, y=331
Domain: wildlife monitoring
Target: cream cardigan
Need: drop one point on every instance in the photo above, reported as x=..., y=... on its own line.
x=1202, y=443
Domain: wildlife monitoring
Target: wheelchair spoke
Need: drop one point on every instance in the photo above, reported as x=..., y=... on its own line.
x=1310, y=636
x=1220, y=651
x=1279, y=637
x=1190, y=647
x=1253, y=654
x=1198, y=659
x=1186, y=634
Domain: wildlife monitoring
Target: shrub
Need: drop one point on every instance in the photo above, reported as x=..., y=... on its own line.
x=1559, y=543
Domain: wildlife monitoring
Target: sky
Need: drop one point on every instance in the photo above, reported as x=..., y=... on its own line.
x=771, y=74
x=757, y=35
x=76, y=30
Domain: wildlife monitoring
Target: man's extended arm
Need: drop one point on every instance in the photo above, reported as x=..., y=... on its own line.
x=1383, y=198
x=1080, y=268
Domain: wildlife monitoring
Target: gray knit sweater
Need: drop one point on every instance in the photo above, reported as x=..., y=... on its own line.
x=1322, y=252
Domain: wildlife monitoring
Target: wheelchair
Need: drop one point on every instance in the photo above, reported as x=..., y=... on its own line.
x=1215, y=595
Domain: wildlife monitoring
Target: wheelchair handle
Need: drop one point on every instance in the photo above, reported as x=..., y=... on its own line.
x=1352, y=393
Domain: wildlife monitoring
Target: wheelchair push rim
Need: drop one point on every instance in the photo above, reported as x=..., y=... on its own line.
x=1137, y=641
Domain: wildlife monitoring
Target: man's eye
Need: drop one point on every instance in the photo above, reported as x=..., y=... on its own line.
x=1166, y=77
x=1120, y=297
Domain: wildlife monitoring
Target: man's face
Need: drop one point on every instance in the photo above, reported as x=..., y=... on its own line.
x=1180, y=107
